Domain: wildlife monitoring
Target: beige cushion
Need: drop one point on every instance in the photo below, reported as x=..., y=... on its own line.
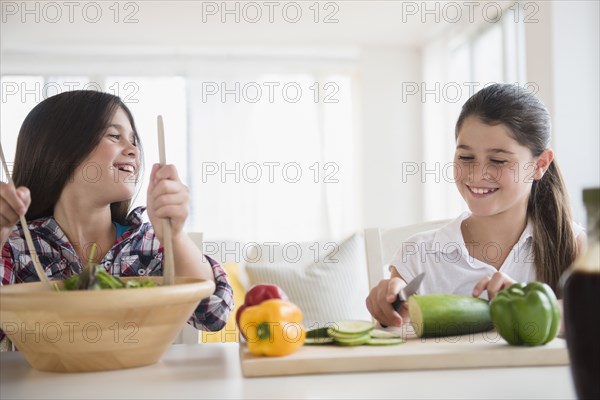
x=332, y=289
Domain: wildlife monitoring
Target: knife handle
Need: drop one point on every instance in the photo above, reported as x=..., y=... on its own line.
x=397, y=304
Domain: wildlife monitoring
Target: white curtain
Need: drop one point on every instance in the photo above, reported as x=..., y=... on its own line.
x=270, y=161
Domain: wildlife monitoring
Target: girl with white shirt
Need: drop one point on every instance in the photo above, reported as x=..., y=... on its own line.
x=519, y=226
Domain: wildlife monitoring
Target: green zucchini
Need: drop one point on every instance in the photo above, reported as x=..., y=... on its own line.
x=317, y=333
x=447, y=315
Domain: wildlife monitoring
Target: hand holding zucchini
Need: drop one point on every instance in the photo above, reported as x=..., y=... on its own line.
x=522, y=314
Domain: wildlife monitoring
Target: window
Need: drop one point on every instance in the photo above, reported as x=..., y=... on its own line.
x=19, y=95
x=267, y=156
x=488, y=56
x=461, y=63
x=273, y=165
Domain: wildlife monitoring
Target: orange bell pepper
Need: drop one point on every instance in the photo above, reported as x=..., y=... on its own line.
x=273, y=328
x=256, y=295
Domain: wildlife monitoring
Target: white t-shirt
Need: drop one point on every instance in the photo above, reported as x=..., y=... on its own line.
x=443, y=256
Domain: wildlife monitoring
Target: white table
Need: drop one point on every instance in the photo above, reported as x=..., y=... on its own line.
x=213, y=371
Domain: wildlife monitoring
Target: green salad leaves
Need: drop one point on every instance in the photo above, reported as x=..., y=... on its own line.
x=100, y=279
x=94, y=277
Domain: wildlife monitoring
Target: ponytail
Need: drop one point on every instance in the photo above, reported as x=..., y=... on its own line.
x=554, y=246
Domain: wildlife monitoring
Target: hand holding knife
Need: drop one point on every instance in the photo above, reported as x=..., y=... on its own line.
x=407, y=291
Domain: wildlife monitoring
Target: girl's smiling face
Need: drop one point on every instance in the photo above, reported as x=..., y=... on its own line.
x=493, y=172
x=110, y=171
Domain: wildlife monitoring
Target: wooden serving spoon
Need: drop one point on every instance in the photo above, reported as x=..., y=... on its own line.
x=168, y=259
x=36, y=261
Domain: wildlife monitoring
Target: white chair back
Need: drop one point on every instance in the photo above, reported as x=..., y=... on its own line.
x=189, y=334
x=381, y=245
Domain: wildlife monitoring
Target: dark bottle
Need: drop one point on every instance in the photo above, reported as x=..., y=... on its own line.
x=582, y=306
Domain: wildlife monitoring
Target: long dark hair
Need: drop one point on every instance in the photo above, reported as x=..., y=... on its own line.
x=56, y=136
x=554, y=246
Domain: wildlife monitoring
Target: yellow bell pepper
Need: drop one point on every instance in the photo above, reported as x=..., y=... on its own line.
x=273, y=328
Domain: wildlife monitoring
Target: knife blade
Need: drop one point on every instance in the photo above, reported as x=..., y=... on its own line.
x=408, y=291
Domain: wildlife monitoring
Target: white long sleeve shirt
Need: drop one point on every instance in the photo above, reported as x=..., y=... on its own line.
x=443, y=256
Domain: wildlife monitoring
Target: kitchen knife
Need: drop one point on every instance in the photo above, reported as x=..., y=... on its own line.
x=407, y=291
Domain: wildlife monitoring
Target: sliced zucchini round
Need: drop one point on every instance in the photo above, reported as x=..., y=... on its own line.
x=351, y=327
x=318, y=341
x=356, y=341
x=385, y=341
x=381, y=334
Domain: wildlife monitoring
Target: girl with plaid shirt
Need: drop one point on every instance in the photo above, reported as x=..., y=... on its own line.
x=76, y=167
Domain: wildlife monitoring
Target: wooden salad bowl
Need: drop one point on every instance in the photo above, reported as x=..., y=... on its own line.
x=96, y=330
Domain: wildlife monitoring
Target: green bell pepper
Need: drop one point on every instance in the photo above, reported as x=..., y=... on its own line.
x=526, y=314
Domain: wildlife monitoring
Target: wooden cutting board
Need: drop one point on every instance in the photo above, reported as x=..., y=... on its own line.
x=478, y=350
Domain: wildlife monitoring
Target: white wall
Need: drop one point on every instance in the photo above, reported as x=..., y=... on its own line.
x=562, y=59
x=562, y=52
x=575, y=55
x=392, y=135
x=538, y=55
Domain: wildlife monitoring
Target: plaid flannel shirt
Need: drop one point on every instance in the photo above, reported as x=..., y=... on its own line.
x=137, y=252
